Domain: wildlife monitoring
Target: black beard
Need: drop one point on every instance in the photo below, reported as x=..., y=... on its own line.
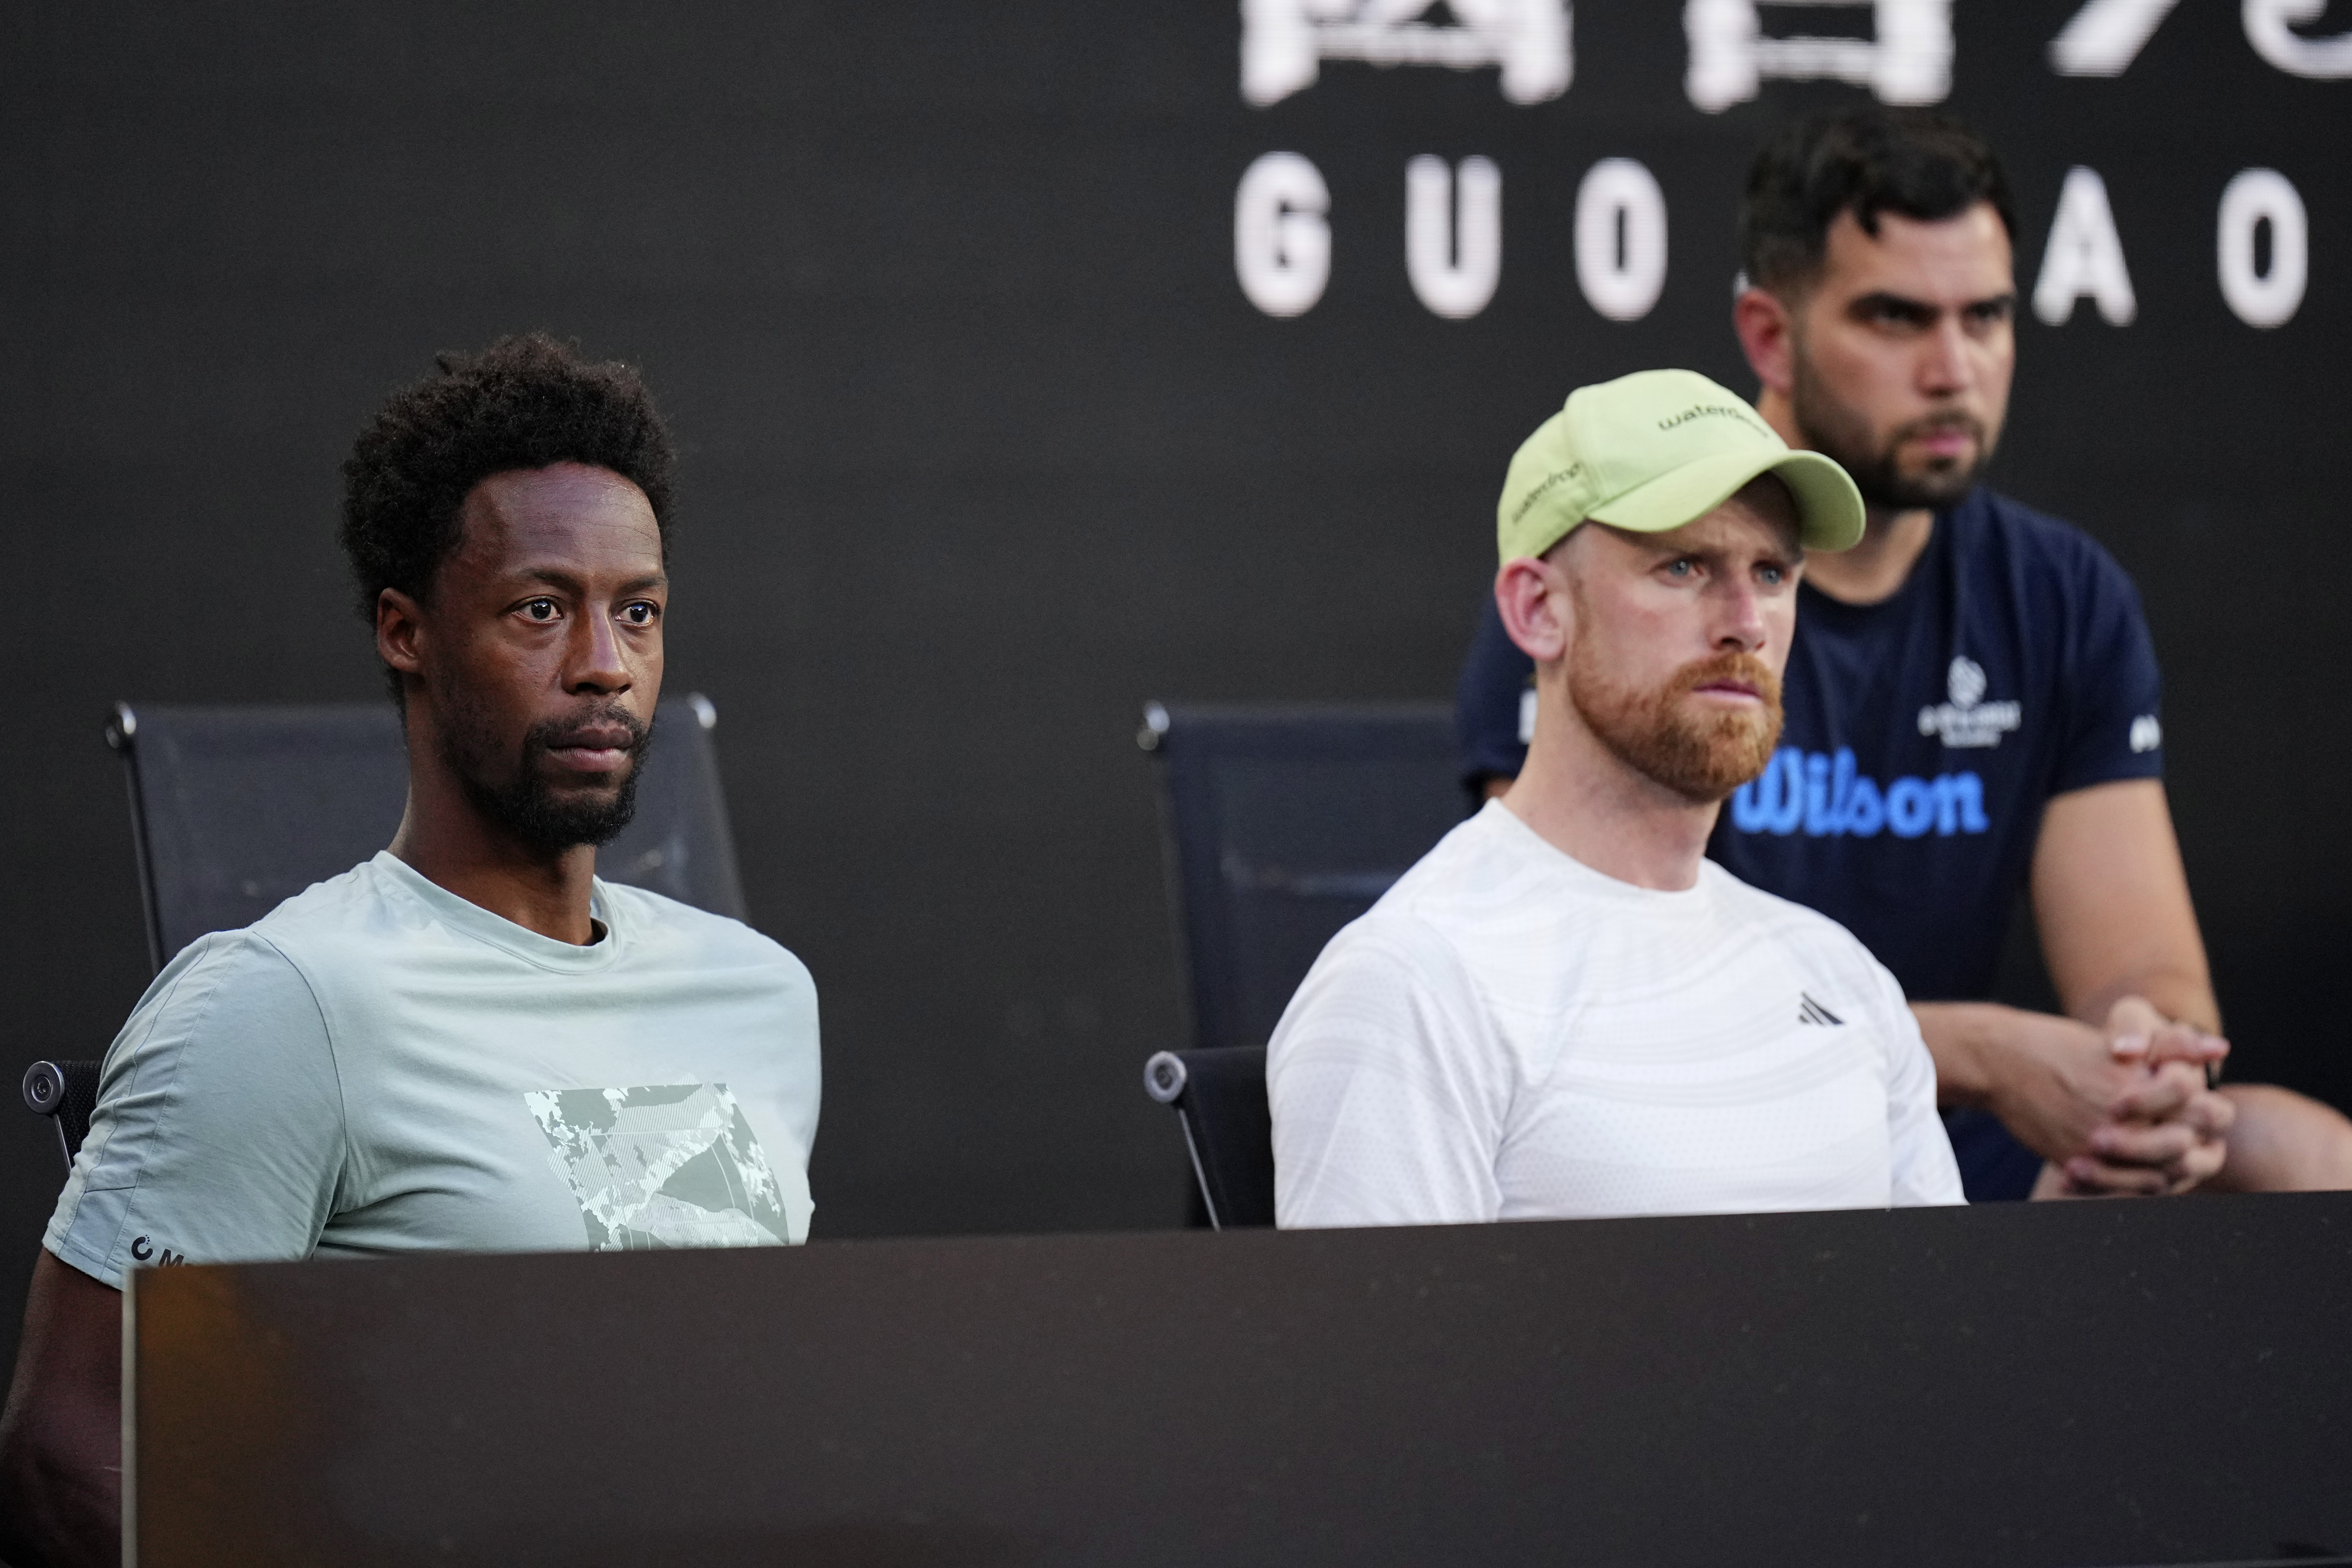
x=525, y=805
x=1837, y=432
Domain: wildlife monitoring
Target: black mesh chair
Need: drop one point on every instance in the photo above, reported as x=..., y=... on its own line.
x=66, y=1092
x=234, y=810
x=1282, y=825
x=1220, y=1101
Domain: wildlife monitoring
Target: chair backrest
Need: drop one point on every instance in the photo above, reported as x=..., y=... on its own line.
x=1284, y=825
x=65, y=1092
x=1220, y=1098
x=234, y=809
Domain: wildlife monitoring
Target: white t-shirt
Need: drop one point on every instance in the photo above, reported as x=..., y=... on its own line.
x=1509, y=1034
x=379, y=1066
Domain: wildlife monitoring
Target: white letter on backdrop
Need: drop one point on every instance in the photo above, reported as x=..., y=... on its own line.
x=2263, y=299
x=2106, y=35
x=2266, y=23
x=1620, y=239
x=1279, y=53
x=1453, y=243
x=1282, y=244
x=2084, y=256
x=1535, y=39
x=1723, y=35
x=1909, y=60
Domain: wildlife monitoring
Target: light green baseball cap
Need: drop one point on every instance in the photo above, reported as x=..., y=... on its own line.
x=1652, y=451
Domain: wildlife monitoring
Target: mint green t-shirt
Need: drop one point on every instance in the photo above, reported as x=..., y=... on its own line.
x=379, y=1066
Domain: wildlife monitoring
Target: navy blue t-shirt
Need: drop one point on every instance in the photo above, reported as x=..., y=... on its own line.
x=1923, y=736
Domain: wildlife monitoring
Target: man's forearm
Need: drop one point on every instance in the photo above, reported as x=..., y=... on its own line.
x=1977, y=1045
x=1965, y=1038
x=61, y=1493
x=2182, y=995
x=61, y=1434
x=2111, y=903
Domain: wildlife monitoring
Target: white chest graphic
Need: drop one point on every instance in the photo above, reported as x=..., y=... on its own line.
x=670, y=1165
x=1967, y=720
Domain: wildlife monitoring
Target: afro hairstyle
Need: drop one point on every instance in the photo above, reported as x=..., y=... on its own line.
x=523, y=402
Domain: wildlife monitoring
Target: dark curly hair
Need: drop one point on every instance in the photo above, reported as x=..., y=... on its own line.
x=1868, y=161
x=522, y=402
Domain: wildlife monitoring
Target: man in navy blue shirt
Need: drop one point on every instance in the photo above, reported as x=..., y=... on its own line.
x=1972, y=699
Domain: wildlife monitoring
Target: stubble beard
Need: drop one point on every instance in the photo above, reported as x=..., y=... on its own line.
x=520, y=802
x=1838, y=431
x=1700, y=755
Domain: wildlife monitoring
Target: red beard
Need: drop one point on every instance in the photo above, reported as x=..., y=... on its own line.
x=1700, y=755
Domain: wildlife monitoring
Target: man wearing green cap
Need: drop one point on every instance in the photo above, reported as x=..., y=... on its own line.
x=1564, y=1009
x=1973, y=700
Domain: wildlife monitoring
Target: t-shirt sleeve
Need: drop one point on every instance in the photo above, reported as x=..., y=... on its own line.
x=801, y=1093
x=1922, y=1169
x=1486, y=701
x=218, y=1134
x=2113, y=728
x=1389, y=1094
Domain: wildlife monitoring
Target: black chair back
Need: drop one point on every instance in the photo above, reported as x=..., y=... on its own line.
x=1284, y=825
x=1220, y=1099
x=234, y=810
x=65, y=1091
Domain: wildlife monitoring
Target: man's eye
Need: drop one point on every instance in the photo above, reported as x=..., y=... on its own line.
x=1772, y=576
x=540, y=609
x=1681, y=567
x=639, y=614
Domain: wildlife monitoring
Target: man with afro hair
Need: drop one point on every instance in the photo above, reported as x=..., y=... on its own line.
x=468, y=1043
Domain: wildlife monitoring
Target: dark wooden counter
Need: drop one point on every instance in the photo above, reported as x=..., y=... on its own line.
x=2080, y=1384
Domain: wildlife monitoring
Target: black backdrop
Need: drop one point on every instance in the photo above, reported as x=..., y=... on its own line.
x=985, y=446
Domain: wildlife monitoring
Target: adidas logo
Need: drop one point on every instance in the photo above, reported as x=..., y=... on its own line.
x=1812, y=1011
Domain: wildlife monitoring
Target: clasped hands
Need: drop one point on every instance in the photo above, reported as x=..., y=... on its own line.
x=2125, y=1109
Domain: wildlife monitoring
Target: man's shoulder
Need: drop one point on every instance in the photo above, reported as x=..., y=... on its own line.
x=1397, y=934
x=675, y=926
x=1856, y=987
x=1388, y=974
x=1993, y=527
x=242, y=981
x=1785, y=919
x=356, y=900
x=346, y=906
x=1423, y=930
x=1462, y=880
x=1490, y=905
x=363, y=913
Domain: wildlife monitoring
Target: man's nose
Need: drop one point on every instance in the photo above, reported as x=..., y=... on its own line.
x=597, y=661
x=1740, y=624
x=1947, y=366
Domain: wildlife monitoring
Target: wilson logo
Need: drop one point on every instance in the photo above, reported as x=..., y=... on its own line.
x=1826, y=796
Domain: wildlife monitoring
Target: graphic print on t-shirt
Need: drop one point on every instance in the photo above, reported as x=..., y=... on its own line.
x=670, y=1165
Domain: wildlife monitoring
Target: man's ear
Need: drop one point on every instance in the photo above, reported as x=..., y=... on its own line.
x=400, y=631
x=1768, y=329
x=1532, y=596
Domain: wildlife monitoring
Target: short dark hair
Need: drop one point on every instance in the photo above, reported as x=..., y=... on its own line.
x=522, y=402
x=1866, y=161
